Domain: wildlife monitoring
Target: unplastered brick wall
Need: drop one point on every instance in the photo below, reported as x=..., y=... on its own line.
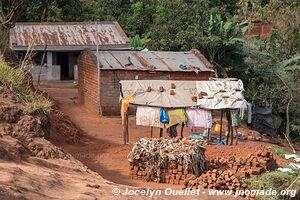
x=260, y=30
x=110, y=88
x=88, y=82
x=107, y=103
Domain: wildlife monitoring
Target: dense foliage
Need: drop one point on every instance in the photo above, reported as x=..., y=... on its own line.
x=269, y=67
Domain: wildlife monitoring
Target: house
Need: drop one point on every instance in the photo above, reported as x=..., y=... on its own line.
x=259, y=30
x=99, y=73
x=61, y=43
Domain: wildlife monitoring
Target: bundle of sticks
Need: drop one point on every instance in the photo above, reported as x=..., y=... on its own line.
x=167, y=160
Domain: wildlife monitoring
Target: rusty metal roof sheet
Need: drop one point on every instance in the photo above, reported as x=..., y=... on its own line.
x=68, y=36
x=151, y=61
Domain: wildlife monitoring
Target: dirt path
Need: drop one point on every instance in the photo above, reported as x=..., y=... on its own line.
x=102, y=148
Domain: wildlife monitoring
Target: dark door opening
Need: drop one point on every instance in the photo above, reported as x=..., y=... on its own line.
x=63, y=61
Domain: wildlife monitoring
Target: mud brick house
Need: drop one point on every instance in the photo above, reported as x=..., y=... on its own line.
x=61, y=44
x=259, y=29
x=98, y=82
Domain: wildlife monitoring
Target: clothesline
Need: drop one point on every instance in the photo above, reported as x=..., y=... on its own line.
x=186, y=103
x=193, y=117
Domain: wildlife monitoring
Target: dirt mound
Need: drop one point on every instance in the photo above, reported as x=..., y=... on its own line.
x=64, y=128
x=33, y=168
x=24, y=129
x=11, y=149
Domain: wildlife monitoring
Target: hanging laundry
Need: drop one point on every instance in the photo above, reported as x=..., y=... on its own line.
x=246, y=107
x=124, y=107
x=198, y=118
x=243, y=108
x=172, y=131
x=148, y=116
x=235, y=118
x=176, y=116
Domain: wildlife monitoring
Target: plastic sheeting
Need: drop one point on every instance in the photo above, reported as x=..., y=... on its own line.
x=140, y=89
x=262, y=119
x=220, y=94
x=209, y=95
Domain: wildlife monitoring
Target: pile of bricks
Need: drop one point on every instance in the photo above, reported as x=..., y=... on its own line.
x=172, y=173
x=216, y=179
x=253, y=164
x=225, y=174
x=167, y=161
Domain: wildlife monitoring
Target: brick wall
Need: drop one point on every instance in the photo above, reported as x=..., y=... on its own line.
x=109, y=83
x=88, y=82
x=260, y=30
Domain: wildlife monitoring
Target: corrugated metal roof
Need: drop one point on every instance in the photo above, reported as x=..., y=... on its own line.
x=68, y=35
x=151, y=61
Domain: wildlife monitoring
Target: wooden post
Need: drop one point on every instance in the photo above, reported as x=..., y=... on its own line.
x=208, y=136
x=125, y=129
x=231, y=142
x=236, y=135
x=229, y=126
x=127, y=134
x=221, y=125
x=151, y=131
x=160, y=132
x=181, y=132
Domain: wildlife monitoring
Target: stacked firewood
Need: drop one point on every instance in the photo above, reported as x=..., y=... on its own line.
x=226, y=174
x=167, y=160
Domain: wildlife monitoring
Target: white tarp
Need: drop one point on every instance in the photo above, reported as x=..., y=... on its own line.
x=220, y=94
x=184, y=92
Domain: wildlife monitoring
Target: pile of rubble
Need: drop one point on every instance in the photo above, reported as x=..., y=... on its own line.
x=167, y=160
x=226, y=174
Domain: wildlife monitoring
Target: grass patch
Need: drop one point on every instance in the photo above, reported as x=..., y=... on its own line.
x=14, y=80
x=279, y=152
x=277, y=181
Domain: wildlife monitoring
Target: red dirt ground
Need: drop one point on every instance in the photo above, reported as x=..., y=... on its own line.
x=102, y=148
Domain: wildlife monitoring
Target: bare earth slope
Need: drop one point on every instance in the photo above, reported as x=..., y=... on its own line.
x=32, y=168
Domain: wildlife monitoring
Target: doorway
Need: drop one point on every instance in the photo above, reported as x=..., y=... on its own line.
x=62, y=59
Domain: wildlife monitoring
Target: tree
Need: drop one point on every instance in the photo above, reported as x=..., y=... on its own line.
x=284, y=15
x=140, y=17
x=221, y=44
x=9, y=12
x=274, y=78
x=177, y=23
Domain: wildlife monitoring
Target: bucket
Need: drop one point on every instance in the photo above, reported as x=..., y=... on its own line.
x=217, y=127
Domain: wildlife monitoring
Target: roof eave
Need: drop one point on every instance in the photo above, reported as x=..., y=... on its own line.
x=73, y=48
x=145, y=70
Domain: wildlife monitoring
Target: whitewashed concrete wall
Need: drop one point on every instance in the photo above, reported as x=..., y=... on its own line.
x=48, y=73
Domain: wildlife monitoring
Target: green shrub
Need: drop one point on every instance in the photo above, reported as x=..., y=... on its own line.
x=13, y=79
x=276, y=180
